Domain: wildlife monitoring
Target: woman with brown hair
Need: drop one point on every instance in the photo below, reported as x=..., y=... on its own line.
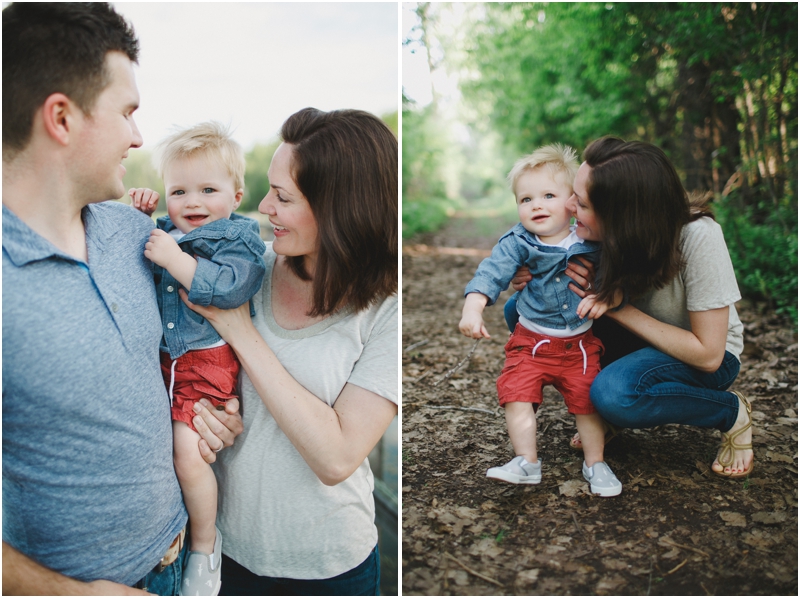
x=320, y=365
x=671, y=260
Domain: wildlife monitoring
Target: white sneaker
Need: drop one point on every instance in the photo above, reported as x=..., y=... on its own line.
x=517, y=471
x=201, y=573
x=601, y=479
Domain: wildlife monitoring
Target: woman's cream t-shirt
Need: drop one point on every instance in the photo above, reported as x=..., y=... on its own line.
x=277, y=519
x=706, y=282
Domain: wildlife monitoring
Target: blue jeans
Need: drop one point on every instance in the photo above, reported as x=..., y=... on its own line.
x=168, y=582
x=648, y=388
x=363, y=580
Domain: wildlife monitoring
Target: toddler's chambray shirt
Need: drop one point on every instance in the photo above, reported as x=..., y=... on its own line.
x=230, y=269
x=546, y=300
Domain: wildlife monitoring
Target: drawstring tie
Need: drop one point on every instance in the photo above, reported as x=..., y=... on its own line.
x=537, y=345
x=580, y=344
x=172, y=379
x=533, y=354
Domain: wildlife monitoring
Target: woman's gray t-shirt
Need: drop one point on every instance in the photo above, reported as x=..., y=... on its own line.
x=276, y=517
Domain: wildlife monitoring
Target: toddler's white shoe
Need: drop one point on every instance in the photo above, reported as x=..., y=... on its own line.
x=601, y=479
x=201, y=573
x=517, y=471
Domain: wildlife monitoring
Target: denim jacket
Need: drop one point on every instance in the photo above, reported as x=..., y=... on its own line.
x=230, y=269
x=545, y=300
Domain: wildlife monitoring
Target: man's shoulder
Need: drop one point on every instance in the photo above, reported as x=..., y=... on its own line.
x=120, y=215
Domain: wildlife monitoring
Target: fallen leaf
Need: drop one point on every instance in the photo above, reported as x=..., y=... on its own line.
x=526, y=578
x=733, y=519
x=770, y=518
x=461, y=384
x=609, y=585
x=778, y=457
x=571, y=488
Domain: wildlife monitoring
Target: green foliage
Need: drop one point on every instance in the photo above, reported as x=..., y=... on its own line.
x=391, y=121
x=256, y=182
x=425, y=216
x=762, y=240
x=425, y=202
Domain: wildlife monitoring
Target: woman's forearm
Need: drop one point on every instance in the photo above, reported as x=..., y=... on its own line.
x=702, y=347
x=332, y=441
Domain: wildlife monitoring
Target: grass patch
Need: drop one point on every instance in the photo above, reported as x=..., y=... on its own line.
x=423, y=216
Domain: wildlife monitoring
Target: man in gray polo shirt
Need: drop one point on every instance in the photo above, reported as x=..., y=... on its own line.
x=91, y=504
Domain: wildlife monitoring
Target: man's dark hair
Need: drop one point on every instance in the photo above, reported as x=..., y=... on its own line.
x=345, y=164
x=56, y=47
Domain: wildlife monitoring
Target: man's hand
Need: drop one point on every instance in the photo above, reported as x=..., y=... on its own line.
x=471, y=324
x=521, y=278
x=144, y=200
x=217, y=429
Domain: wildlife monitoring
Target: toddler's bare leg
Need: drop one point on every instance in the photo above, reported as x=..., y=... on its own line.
x=199, y=487
x=521, y=423
x=590, y=427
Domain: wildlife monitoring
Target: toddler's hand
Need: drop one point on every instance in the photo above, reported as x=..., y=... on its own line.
x=472, y=325
x=593, y=309
x=162, y=249
x=144, y=200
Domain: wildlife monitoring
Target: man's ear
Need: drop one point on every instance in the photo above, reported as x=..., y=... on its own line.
x=58, y=114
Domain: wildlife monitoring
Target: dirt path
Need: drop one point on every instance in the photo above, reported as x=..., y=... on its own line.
x=675, y=530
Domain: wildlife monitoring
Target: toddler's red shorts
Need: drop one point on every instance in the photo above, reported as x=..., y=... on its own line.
x=202, y=374
x=535, y=360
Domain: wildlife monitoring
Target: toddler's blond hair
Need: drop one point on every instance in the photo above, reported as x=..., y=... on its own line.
x=557, y=158
x=209, y=139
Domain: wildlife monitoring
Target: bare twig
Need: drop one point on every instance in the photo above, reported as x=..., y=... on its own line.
x=422, y=376
x=577, y=525
x=697, y=550
x=459, y=408
x=473, y=572
x=460, y=363
x=415, y=345
x=671, y=571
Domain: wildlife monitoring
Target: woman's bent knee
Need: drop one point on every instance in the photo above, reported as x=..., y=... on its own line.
x=613, y=398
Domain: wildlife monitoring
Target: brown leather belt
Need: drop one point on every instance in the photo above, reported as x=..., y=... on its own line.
x=172, y=552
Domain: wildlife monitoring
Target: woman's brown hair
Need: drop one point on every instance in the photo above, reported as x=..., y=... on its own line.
x=345, y=163
x=642, y=207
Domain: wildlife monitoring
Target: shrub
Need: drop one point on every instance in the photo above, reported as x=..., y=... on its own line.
x=762, y=240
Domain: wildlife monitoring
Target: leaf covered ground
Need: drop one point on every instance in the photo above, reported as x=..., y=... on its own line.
x=676, y=529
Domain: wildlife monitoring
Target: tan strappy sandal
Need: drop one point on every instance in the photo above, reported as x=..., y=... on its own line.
x=728, y=448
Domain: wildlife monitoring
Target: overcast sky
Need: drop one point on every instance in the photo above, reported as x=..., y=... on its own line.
x=251, y=65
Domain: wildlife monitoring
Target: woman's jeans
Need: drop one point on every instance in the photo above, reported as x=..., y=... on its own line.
x=363, y=580
x=648, y=388
x=641, y=387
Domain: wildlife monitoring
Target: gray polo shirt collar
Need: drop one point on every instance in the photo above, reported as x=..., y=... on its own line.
x=24, y=245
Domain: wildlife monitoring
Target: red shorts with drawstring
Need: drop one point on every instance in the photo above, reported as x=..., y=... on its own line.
x=535, y=360
x=202, y=374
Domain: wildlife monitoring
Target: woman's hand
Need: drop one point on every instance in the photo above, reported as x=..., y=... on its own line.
x=583, y=276
x=521, y=278
x=231, y=324
x=217, y=429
